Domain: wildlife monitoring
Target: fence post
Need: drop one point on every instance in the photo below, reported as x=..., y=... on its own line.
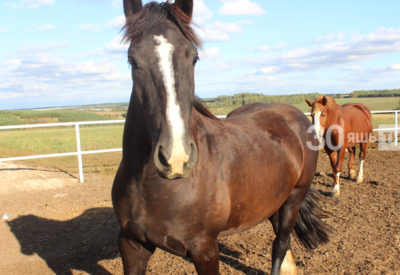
x=79, y=151
x=396, y=125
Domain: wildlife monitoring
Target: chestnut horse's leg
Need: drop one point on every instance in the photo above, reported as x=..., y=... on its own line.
x=283, y=223
x=363, y=150
x=352, y=172
x=135, y=256
x=338, y=169
x=205, y=255
x=333, y=157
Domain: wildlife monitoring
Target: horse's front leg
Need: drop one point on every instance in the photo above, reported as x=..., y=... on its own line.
x=135, y=255
x=205, y=255
x=338, y=170
x=333, y=158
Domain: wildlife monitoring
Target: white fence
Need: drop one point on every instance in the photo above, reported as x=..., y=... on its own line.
x=79, y=152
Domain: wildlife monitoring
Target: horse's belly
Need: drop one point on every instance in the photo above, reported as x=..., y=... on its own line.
x=249, y=213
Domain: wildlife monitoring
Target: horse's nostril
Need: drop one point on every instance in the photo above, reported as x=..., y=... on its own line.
x=193, y=155
x=161, y=157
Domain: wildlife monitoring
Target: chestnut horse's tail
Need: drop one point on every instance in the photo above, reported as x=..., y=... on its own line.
x=310, y=229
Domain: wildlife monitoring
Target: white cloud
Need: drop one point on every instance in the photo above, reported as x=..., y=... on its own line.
x=241, y=7
x=46, y=27
x=89, y=27
x=201, y=13
x=338, y=63
x=116, y=4
x=220, y=31
x=42, y=48
x=31, y=4
x=335, y=52
x=116, y=23
x=270, y=69
x=40, y=74
x=3, y=29
x=116, y=45
x=267, y=48
x=330, y=37
x=381, y=35
x=50, y=79
x=395, y=67
x=210, y=54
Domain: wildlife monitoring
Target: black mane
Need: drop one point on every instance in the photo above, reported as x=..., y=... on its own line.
x=153, y=14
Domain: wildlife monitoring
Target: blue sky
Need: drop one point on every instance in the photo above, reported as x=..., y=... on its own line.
x=58, y=52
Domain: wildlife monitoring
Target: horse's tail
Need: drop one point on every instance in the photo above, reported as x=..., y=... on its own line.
x=310, y=229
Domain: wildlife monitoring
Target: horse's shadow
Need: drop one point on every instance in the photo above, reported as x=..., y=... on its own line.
x=231, y=258
x=79, y=243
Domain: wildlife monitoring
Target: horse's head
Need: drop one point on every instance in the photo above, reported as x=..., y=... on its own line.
x=163, y=54
x=320, y=111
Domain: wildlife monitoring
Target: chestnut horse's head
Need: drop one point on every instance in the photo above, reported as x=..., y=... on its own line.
x=163, y=55
x=320, y=111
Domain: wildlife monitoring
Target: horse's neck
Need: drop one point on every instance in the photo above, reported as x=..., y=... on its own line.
x=337, y=115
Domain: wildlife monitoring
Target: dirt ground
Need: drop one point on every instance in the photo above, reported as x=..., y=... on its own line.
x=52, y=224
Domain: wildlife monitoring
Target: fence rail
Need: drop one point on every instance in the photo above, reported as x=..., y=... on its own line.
x=79, y=152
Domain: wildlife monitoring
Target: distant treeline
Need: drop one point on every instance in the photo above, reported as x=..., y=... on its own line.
x=246, y=98
x=18, y=117
x=376, y=93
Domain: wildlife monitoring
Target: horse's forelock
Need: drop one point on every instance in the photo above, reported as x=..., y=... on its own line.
x=330, y=102
x=153, y=14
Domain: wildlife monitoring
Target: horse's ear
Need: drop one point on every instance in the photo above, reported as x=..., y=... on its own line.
x=132, y=6
x=324, y=100
x=309, y=102
x=186, y=6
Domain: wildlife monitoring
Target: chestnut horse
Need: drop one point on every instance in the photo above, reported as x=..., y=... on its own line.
x=187, y=177
x=339, y=128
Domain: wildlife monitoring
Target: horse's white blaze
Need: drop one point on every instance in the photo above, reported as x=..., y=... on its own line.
x=360, y=176
x=317, y=126
x=164, y=51
x=288, y=266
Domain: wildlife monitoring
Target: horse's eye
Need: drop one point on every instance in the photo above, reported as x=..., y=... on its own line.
x=323, y=115
x=195, y=59
x=132, y=62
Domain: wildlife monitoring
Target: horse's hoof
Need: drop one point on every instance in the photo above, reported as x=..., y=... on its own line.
x=352, y=174
x=360, y=179
x=335, y=191
x=288, y=265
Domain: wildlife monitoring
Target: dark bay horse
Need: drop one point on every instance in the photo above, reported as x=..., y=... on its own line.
x=340, y=128
x=187, y=177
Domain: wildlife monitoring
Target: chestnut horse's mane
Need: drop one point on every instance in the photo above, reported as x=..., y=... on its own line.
x=153, y=14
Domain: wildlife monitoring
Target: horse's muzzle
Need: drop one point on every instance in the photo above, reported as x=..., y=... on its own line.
x=176, y=166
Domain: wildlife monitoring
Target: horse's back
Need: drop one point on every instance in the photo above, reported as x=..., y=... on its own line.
x=288, y=129
x=357, y=116
x=272, y=114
